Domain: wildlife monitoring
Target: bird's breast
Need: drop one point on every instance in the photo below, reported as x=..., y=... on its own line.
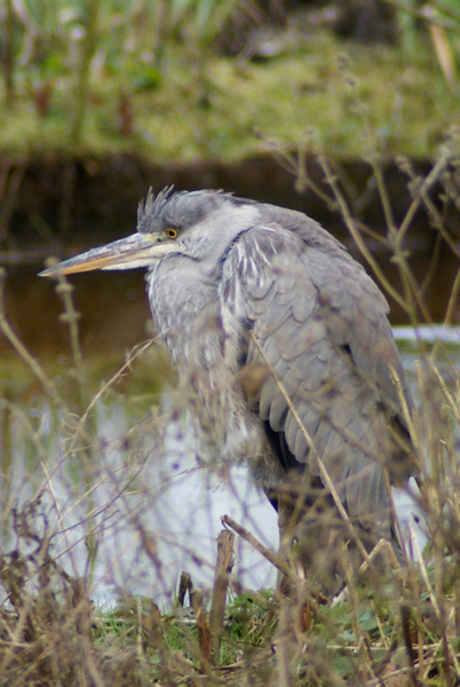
x=185, y=311
x=205, y=348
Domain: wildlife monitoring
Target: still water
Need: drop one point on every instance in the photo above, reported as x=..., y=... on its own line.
x=129, y=481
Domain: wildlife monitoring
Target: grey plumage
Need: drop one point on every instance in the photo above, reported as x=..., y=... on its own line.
x=234, y=286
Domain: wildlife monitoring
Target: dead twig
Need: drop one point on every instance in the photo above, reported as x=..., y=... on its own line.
x=204, y=632
x=224, y=566
x=185, y=585
x=276, y=560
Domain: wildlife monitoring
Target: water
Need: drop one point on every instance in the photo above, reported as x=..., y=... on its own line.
x=138, y=479
x=136, y=489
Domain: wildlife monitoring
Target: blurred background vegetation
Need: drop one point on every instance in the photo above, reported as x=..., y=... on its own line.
x=187, y=79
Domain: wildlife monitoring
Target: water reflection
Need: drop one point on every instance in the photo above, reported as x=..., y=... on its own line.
x=144, y=483
x=136, y=491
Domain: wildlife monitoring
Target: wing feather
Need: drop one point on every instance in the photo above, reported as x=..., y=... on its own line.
x=322, y=324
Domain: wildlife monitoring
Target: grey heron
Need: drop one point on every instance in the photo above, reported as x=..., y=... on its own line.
x=284, y=342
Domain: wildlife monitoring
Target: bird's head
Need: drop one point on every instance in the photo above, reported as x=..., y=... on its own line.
x=199, y=225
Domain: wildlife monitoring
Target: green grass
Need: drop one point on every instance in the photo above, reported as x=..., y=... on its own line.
x=350, y=98
x=250, y=626
x=345, y=641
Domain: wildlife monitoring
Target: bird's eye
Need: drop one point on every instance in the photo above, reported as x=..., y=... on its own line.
x=171, y=233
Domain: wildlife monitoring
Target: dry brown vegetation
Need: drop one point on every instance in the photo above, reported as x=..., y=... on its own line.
x=62, y=491
x=392, y=627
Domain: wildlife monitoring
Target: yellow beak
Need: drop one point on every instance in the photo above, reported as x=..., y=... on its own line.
x=137, y=250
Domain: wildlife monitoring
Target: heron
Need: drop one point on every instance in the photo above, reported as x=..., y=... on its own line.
x=283, y=341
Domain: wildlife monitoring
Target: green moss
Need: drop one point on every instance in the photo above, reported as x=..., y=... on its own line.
x=350, y=98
